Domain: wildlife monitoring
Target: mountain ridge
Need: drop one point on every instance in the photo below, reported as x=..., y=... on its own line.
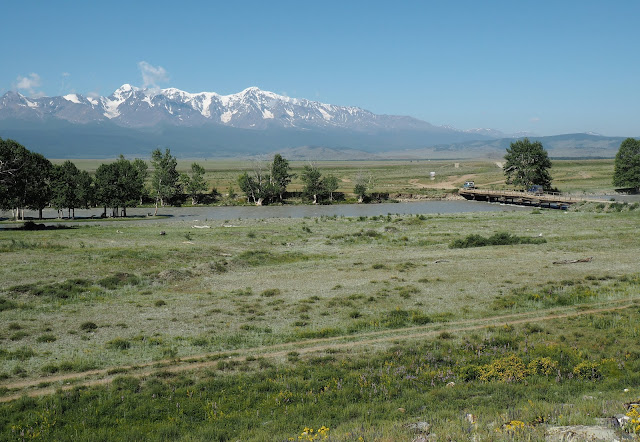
x=134, y=121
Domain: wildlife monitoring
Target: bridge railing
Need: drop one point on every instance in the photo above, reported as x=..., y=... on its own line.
x=523, y=194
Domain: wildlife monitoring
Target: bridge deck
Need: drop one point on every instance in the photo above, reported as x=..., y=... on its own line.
x=522, y=197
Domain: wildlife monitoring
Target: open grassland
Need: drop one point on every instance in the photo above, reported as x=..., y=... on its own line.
x=254, y=329
x=406, y=177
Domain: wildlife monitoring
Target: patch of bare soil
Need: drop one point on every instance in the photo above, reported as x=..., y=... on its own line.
x=452, y=182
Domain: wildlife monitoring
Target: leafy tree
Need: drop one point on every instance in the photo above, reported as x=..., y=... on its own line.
x=12, y=161
x=362, y=184
x=626, y=172
x=258, y=187
x=526, y=164
x=25, y=178
x=38, y=192
x=71, y=188
x=280, y=176
x=249, y=186
x=195, y=184
x=119, y=185
x=64, y=187
x=313, y=183
x=330, y=185
x=165, y=178
x=143, y=174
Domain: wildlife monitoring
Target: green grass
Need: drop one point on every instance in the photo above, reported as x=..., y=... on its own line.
x=500, y=375
x=110, y=301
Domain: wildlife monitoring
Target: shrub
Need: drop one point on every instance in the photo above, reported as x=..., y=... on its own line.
x=545, y=366
x=118, y=344
x=507, y=369
x=587, y=370
x=270, y=292
x=118, y=280
x=498, y=239
x=46, y=338
x=88, y=326
x=6, y=304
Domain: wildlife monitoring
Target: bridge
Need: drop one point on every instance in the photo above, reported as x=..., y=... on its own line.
x=547, y=199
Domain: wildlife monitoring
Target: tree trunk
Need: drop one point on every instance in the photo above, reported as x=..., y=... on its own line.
x=315, y=199
x=259, y=202
x=73, y=213
x=124, y=212
x=156, y=212
x=40, y=213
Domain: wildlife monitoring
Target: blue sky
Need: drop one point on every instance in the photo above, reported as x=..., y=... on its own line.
x=547, y=67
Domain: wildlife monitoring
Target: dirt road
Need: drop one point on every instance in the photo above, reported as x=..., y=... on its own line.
x=43, y=386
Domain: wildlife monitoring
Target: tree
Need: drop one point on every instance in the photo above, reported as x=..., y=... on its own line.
x=143, y=173
x=195, y=184
x=313, y=183
x=25, y=179
x=280, y=176
x=330, y=185
x=362, y=184
x=164, y=180
x=63, y=187
x=119, y=185
x=626, y=172
x=71, y=188
x=526, y=164
x=258, y=186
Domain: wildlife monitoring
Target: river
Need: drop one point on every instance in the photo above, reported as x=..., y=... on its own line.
x=289, y=211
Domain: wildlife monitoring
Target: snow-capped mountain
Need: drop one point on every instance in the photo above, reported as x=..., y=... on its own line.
x=252, y=108
x=135, y=121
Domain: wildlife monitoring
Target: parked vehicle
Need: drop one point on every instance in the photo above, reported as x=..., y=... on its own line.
x=536, y=189
x=469, y=185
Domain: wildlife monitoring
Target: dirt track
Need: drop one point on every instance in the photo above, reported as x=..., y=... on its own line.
x=196, y=362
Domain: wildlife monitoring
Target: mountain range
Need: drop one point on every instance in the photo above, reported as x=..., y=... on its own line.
x=134, y=121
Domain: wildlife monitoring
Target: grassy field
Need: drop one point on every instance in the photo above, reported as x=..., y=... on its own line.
x=256, y=329
x=408, y=177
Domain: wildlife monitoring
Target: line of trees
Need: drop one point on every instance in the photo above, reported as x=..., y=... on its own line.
x=28, y=180
x=266, y=184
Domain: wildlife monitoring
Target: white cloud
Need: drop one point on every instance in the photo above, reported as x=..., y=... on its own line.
x=535, y=119
x=152, y=76
x=29, y=84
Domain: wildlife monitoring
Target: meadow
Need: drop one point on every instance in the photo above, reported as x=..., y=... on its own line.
x=371, y=328
x=404, y=177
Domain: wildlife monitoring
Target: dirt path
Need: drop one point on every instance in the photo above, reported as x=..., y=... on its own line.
x=35, y=387
x=453, y=182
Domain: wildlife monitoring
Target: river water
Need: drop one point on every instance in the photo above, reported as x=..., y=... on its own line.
x=293, y=211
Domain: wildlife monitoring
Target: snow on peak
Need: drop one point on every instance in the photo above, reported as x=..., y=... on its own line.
x=125, y=88
x=72, y=98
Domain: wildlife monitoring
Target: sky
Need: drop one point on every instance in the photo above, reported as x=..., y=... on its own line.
x=545, y=67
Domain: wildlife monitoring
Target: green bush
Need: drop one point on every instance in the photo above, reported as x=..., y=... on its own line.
x=498, y=239
x=118, y=280
x=118, y=344
x=88, y=326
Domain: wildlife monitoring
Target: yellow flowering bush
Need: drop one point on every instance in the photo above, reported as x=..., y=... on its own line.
x=634, y=425
x=544, y=365
x=309, y=434
x=508, y=369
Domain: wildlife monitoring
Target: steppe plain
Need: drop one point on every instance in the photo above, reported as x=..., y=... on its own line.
x=358, y=328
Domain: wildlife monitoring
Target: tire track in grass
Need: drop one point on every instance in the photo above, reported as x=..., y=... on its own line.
x=207, y=360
